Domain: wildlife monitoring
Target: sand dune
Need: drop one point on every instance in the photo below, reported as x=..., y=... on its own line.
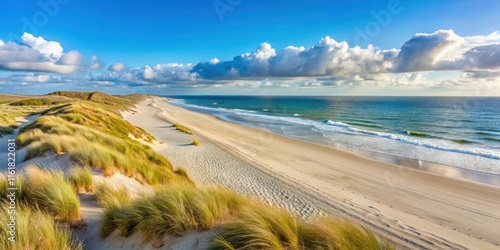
x=413, y=208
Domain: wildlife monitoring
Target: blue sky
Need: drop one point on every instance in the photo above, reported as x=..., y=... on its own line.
x=154, y=33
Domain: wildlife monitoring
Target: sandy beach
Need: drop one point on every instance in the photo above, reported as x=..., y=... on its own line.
x=413, y=208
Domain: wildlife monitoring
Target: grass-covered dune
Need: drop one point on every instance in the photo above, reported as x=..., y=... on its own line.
x=46, y=206
x=88, y=128
x=91, y=131
x=238, y=222
x=12, y=106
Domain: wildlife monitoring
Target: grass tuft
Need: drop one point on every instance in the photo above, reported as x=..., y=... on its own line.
x=272, y=228
x=184, y=174
x=113, y=200
x=35, y=229
x=173, y=210
x=242, y=223
x=108, y=196
x=183, y=129
x=81, y=179
x=3, y=185
x=49, y=190
x=196, y=143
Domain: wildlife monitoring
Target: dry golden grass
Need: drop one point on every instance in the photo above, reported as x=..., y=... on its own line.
x=242, y=223
x=49, y=190
x=95, y=138
x=35, y=229
x=172, y=210
x=183, y=129
x=81, y=179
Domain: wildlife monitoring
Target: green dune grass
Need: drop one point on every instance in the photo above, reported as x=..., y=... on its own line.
x=3, y=185
x=240, y=222
x=93, y=136
x=81, y=179
x=35, y=102
x=8, y=116
x=92, y=148
x=172, y=210
x=36, y=229
x=49, y=190
x=113, y=200
x=273, y=228
x=183, y=129
x=108, y=196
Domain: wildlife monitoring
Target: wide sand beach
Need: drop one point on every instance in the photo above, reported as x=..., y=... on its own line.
x=415, y=209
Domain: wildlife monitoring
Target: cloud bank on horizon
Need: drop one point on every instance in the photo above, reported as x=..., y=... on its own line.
x=328, y=63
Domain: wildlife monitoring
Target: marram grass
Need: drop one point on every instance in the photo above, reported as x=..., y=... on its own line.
x=172, y=210
x=81, y=179
x=3, y=185
x=265, y=227
x=49, y=191
x=183, y=129
x=241, y=223
x=53, y=193
x=108, y=196
x=93, y=148
x=35, y=229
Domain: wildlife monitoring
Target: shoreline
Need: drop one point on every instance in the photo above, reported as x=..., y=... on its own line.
x=417, y=164
x=426, y=166
x=457, y=172
x=415, y=209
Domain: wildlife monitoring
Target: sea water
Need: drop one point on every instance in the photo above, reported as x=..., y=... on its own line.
x=461, y=132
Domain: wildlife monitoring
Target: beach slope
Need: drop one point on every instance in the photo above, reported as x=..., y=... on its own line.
x=414, y=209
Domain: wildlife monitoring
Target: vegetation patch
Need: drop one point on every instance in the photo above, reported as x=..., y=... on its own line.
x=92, y=148
x=173, y=210
x=241, y=223
x=183, y=129
x=98, y=117
x=114, y=103
x=34, y=102
x=35, y=229
x=50, y=191
x=81, y=179
x=273, y=228
x=94, y=135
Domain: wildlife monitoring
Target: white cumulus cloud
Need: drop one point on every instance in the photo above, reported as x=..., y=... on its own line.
x=327, y=58
x=71, y=58
x=38, y=54
x=117, y=67
x=50, y=49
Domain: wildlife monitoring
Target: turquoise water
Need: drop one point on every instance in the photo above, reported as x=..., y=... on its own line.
x=457, y=131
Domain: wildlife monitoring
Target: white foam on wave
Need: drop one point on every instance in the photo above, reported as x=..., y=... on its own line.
x=340, y=127
x=428, y=143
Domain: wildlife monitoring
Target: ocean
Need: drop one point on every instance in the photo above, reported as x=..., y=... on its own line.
x=461, y=132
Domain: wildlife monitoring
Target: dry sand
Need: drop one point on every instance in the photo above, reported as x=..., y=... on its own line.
x=415, y=209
